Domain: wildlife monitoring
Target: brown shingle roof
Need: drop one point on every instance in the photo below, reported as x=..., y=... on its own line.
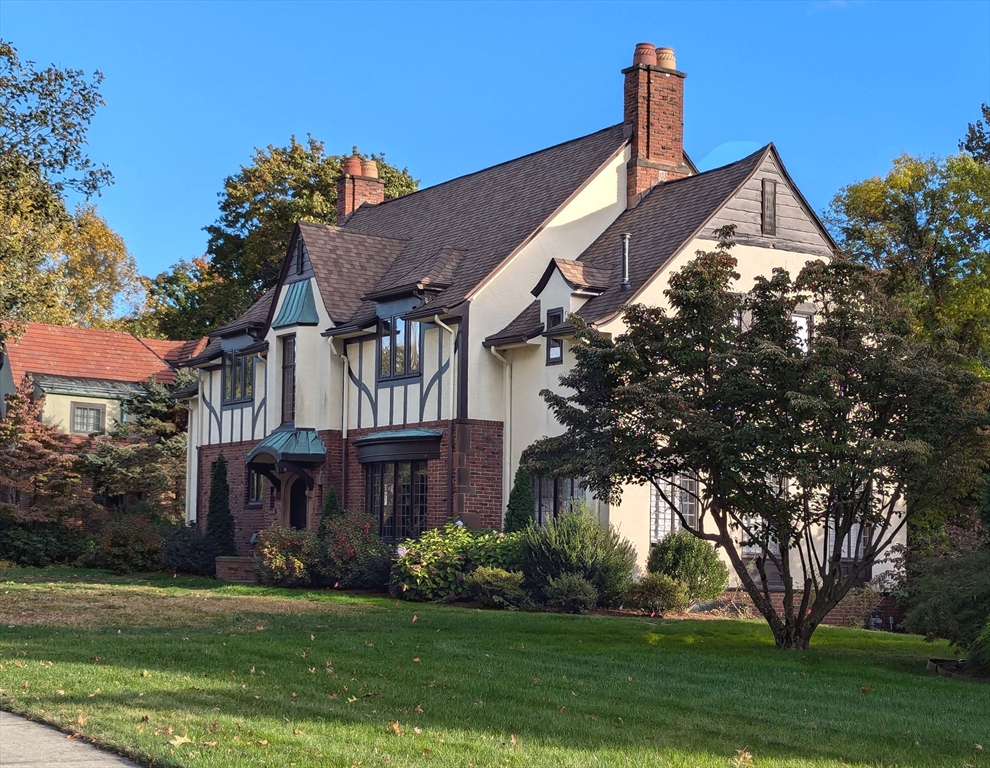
x=663, y=223
x=347, y=264
x=579, y=276
x=90, y=353
x=486, y=215
x=255, y=316
x=527, y=325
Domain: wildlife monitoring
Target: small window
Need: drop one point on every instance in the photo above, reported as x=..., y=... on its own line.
x=802, y=331
x=256, y=487
x=555, y=347
x=769, y=207
x=398, y=348
x=238, y=377
x=664, y=518
x=288, y=379
x=88, y=418
x=300, y=257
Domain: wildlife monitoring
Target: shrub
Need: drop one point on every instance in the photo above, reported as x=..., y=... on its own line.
x=130, y=542
x=576, y=543
x=979, y=652
x=433, y=566
x=950, y=598
x=519, y=512
x=39, y=545
x=495, y=587
x=687, y=558
x=351, y=554
x=286, y=557
x=186, y=550
x=330, y=511
x=219, y=520
x=571, y=593
x=658, y=593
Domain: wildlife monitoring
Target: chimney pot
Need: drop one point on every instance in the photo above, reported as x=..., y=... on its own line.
x=369, y=168
x=665, y=58
x=352, y=166
x=645, y=53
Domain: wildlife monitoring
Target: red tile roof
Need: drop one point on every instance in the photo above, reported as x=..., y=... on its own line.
x=90, y=353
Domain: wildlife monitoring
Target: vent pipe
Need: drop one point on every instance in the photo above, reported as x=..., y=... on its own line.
x=624, y=285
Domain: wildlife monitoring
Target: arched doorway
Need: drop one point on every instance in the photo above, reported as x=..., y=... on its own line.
x=297, y=504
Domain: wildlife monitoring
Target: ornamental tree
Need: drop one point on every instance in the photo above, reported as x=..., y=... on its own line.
x=813, y=453
x=219, y=519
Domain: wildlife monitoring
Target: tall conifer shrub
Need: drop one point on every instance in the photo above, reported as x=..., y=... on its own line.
x=519, y=512
x=220, y=521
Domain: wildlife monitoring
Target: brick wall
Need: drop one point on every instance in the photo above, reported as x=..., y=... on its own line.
x=465, y=481
x=841, y=616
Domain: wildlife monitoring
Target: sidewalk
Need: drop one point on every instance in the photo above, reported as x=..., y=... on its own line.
x=24, y=744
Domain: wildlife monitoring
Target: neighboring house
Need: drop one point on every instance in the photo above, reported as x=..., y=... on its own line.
x=401, y=355
x=87, y=375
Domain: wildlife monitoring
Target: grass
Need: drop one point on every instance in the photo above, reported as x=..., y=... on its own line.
x=189, y=672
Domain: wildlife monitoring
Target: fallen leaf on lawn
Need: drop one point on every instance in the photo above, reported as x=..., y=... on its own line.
x=178, y=741
x=145, y=673
x=213, y=727
x=978, y=747
x=561, y=709
x=479, y=703
x=263, y=742
x=296, y=732
x=74, y=736
x=416, y=661
x=865, y=689
x=394, y=727
x=512, y=739
x=170, y=730
x=417, y=730
x=351, y=699
x=743, y=758
x=145, y=719
x=419, y=711
x=260, y=627
x=209, y=743
x=573, y=693
x=426, y=752
x=415, y=617
x=95, y=659
x=60, y=693
x=82, y=719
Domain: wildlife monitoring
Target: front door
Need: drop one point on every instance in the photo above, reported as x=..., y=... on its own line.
x=297, y=504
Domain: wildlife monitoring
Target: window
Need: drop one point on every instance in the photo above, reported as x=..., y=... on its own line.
x=802, y=331
x=88, y=418
x=256, y=487
x=288, y=379
x=553, y=495
x=300, y=258
x=555, y=347
x=398, y=348
x=769, y=219
x=396, y=497
x=683, y=492
x=238, y=377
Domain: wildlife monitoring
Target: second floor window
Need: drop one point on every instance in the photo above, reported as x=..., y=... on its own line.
x=87, y=419
x=288, y=379
x=555, y=347
x=238, y=377
x=398, y=348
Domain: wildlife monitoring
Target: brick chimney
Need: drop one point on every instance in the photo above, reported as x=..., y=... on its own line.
x=654, y=120
x=358, y=183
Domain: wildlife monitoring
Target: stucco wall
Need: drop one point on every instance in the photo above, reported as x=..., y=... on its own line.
x=58, y=410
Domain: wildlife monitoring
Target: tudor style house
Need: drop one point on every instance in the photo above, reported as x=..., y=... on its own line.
x=401, y=355
x=86, y=374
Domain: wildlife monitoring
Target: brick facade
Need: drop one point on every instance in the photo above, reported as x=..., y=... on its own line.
x=845, y=614
x=464, y=482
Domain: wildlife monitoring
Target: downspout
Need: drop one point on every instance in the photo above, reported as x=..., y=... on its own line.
x=506, y=424
x=450, y=428
x=345, y=398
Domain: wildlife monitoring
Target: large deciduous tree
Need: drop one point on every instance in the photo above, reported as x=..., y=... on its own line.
x=259, y=206
x=815, y=454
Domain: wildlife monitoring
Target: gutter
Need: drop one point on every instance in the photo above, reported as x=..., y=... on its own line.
x=506, y=424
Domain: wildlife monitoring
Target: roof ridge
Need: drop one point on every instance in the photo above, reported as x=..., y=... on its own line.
x=482, y=170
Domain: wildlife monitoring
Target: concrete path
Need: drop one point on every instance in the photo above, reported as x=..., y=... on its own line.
x=24, y=744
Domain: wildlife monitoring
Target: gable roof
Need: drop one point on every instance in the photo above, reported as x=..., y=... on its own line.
x=484, y=216
x=527, y=325
x=91, y=353
x=578, y=275
x=664, y=222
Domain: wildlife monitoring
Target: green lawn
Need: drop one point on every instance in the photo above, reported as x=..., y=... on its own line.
x=189, y=672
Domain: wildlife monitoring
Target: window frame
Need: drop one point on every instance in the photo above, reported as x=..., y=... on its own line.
x=101, y=407
x=561, y=490
x=237, y=378
x=255, y=478
x=288, y=393
x=768, y=207
x=397, y=496
x=552, y=343
x=412, y=341
x=687, y=505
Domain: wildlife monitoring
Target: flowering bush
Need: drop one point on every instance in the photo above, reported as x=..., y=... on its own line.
x=433, y=566
x=286, y=557
x=351, y=554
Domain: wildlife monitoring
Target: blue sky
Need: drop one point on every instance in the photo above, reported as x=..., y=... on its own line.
x=191, y=88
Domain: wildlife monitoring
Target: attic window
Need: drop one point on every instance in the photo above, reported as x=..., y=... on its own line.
x=299, y=258
x=555, y=347
x=769, y=207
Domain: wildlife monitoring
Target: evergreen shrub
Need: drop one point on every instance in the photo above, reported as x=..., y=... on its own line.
x=185, y=550
x=571, y=593
x=38, y=545
x=131, y=541
x=495, y=587
x=519, y=512
x=575, y=542
x=949, y=597
x=687, y=558
x=219, y=520
x=658, y=594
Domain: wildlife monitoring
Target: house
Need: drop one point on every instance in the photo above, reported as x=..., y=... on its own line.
x=400, y=357
x=87, y=375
